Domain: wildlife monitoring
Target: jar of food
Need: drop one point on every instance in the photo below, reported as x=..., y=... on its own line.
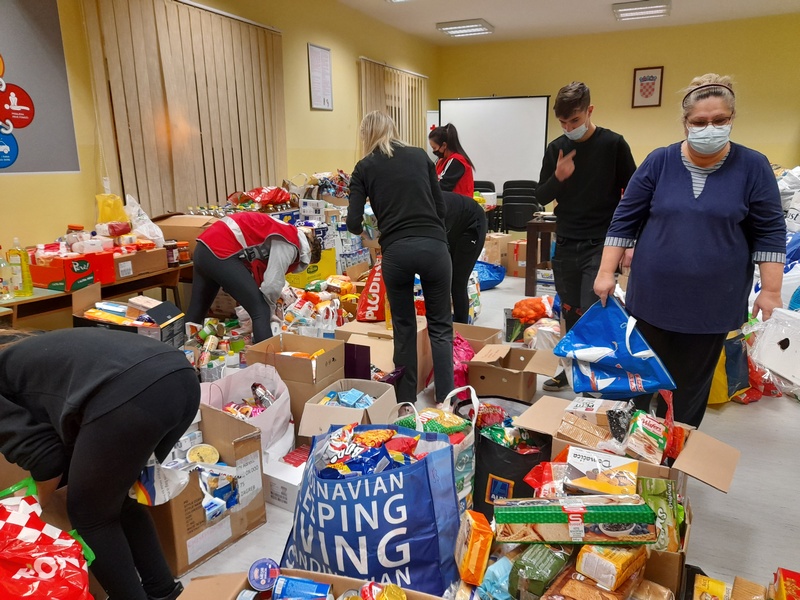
x=173, y=260
x=184, y=256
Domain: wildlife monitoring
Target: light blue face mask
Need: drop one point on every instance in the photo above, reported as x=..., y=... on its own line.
x=578, y=132
x=709, y=139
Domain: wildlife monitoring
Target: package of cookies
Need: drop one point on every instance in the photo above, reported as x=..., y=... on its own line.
x=662, y=496
x=648, y=438
x=473, y=546
x=618, y=520
x=576, y=429
x=610, y=566
x=571, y=585
x=600, y=473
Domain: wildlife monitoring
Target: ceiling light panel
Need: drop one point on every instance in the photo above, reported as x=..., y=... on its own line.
x=644, y=9
x=465, y=28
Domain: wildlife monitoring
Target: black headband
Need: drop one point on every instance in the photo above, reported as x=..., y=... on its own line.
x=705, y=85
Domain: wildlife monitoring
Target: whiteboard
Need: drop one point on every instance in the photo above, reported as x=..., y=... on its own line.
x=505, y=137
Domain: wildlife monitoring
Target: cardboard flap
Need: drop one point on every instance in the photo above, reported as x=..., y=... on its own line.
x=356, y=270
x=544, y=362
x=387, y=334
x=216, y=587
x=709, y=460
x=544, y=416
x=84, y=299
x=492, y=354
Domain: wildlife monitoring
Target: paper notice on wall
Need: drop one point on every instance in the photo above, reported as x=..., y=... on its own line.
x=208, y=539
x=248, y=472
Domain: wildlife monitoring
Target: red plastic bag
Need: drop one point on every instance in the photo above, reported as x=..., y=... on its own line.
x=38, y=560
x=269, y=195
x=462, y=354
x=372, y=302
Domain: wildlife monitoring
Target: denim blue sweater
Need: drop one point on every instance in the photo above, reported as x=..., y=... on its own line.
x=693, y=264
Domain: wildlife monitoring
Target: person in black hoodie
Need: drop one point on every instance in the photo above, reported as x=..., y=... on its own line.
x=400, y=182
x=90, y=405
x=466, y=232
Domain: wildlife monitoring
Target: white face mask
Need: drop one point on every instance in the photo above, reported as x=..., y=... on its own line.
x=709, y=139
x=578, y=132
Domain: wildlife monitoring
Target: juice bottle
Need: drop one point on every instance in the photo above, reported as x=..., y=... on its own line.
x=21, y=282
x=5, y=279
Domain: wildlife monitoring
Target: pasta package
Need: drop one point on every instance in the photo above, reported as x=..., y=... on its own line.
x=473, y=546
x=610, y=566
x=571, y=585
x=662, y=497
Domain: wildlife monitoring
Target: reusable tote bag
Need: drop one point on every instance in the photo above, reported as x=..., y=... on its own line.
x=609, y=355
x=398, y=526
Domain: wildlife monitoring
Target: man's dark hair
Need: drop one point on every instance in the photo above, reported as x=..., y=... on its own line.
x=571, y=98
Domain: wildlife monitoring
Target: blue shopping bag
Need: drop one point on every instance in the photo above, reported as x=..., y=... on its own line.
x=489, y=275
x=609, y=355
x=398, y=526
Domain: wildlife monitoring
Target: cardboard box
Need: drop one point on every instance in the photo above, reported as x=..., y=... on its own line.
x=513, y=328
x=500, y=370
x=181, y=227
x=381, y=343
x=496, y=246
x=517, y=258
x=140, y=263
x=703, y=458
x=186, y=537
x=318, y=418
x=545, y=276
x=171, y=321
x=228, y=586
x=302, y=379
x=70, y=274
x=321, y=270
x=477, y=336
x=666, y=568
x=282, y=483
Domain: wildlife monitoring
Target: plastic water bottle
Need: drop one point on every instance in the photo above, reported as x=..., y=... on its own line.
x=21, y=282
x=5, y=279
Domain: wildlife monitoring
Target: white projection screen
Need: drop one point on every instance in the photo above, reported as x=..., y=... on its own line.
x=504, y=137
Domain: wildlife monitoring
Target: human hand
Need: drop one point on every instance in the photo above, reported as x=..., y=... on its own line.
x=604, y=286
x=627, y=258
x=765, y=303
x=565, y=166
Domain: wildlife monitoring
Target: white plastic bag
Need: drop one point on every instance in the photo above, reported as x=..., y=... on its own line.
x=141, y=223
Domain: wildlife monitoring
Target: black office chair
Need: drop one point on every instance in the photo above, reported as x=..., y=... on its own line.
x=519, y=192
x=484, y=186
x=526, y=199
x=519, y=183
x=516, y=216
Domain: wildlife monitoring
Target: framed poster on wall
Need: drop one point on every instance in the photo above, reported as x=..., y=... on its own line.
x=647, y=84
x=320, y=80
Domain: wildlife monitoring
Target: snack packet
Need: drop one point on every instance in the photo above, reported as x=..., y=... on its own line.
x=662, y=497
x=610, y=566
x=534, y=571
x=547, y=478
x=647, y=440
x=435, y=420
x=473, y=545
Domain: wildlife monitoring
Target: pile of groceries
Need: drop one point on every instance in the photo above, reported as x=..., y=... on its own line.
x=594, y=520
x=322, y=304
x=216, y=346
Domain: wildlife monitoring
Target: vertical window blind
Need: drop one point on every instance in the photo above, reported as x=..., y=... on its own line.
x=190, y=103
x=398, y=93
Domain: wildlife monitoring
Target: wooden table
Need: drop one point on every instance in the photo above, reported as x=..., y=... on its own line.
x=539, y=231
x=48, y=301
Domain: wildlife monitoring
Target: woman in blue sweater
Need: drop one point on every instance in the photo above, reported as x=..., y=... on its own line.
x=701, y=213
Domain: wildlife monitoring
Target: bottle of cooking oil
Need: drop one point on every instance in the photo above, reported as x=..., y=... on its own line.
x=21, y=282
x=5, y=279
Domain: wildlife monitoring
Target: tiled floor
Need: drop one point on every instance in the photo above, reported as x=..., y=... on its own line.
x=747, y=532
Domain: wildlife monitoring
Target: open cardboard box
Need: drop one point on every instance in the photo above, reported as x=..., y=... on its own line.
x=70, y=274
x=318, y=418
x=703, y=458
x=303, y=379
x=140, y=263
x=180, y=227
x=170, y=319
x=478, y=337
x=500, y=370
x=186, y=537
x=228, y=586
x=381, y=343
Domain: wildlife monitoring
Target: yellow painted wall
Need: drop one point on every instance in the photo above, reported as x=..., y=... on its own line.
x=324, y=140
x=38, y=207
x=761, y=54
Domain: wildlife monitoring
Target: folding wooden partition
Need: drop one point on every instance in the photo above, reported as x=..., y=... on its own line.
x=190, y=103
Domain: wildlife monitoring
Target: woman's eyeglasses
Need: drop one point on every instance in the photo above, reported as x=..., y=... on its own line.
x=717, y=123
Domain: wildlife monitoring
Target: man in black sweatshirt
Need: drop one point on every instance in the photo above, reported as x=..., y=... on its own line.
x=585, y=171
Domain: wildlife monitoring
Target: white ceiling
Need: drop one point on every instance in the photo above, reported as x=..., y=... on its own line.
x=526, y=19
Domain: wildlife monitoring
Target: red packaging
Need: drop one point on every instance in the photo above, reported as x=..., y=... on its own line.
x=372, y=301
